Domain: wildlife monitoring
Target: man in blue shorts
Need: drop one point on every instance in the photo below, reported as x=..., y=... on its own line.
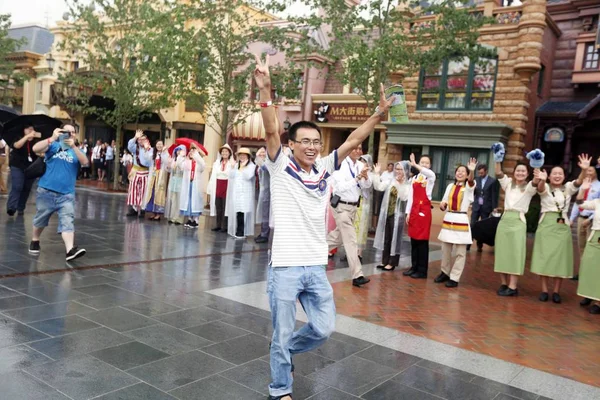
x=56, y=188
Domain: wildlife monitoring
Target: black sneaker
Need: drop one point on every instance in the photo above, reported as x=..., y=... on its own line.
x=188, y=224
x=75, y=253
x=34, y=247
x=361, y=280
x=11, y=212
x=194, y=224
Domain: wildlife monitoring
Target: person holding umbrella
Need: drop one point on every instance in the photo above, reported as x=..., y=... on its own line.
x=511, y=235
x=553, y=246
x=21, y=157
x=191, y=198
x=240, y=196
x=56, y=189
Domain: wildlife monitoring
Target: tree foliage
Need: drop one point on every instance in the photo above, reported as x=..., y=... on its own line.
x=8, y=45
x=223, y=31
x=129, y=52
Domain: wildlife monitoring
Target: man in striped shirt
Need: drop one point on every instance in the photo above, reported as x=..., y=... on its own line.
x=299, y=252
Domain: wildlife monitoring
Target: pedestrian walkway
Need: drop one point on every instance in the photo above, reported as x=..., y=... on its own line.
x=158, y=312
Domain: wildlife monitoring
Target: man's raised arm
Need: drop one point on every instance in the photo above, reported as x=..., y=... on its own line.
x=269, y=116
x=362, y=132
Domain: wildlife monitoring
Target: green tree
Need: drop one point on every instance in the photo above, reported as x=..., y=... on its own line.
x=8, y=45
x=131, y=52
x=377, y=38
x=223, y=32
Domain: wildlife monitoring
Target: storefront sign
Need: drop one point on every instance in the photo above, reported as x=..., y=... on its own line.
x=554, y=135
x=398, y=111
x=341, y=113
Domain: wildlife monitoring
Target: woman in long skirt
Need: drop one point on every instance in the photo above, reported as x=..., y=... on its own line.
x=363, y=212
x=156, y=188
x=511, y=235
x=456, y=230
x=553, y=247
x=172, y=208
x=217, y=186
x=589, y=267
x=390, y=226
x=241, y=196
x=191, y=197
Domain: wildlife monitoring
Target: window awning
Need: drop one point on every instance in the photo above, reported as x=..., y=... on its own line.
x=251, y=128
x=447, y=134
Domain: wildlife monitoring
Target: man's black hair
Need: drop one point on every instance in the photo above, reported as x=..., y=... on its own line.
x=302, y=124
x=482, y=166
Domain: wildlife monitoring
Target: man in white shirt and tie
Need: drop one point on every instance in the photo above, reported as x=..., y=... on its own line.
x=348, y=183
x=96, y=158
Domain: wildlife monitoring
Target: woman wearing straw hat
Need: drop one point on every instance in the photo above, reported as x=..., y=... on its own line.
x=217, y=186
x=240, y=196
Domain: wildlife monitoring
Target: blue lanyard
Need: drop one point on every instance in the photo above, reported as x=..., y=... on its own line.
x=353, y=175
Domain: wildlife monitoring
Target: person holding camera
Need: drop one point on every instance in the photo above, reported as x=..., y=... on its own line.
x=56, y=188
x=553, y=246
x=348, y=183
x=21, y=157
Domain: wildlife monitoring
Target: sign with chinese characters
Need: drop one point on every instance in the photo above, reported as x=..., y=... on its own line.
x=554, y=135
x=347, y=113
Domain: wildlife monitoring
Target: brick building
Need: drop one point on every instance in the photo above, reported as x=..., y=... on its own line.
x=458, y=109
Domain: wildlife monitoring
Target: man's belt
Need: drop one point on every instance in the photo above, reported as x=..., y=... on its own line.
x=584, y=216
x=457, y=212
x=355, y=204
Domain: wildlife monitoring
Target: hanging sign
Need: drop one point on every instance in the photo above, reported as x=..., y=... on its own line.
x=554, y=135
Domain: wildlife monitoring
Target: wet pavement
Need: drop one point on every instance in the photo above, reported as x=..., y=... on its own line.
x=154, y=311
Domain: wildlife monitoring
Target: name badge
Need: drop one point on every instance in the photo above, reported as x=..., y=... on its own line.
x=480, y=201
x=29, y=159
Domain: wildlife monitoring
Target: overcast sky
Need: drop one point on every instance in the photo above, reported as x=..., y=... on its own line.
x=47, y=12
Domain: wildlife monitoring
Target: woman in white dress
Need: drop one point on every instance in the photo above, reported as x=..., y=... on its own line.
x=217, y=186
x=241, y=196
x=388, y=237
x=191, y=197
x=155, y=197
x=174, y=189
x=456, y=230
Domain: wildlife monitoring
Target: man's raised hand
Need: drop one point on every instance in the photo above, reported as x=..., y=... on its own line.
x=261, y=73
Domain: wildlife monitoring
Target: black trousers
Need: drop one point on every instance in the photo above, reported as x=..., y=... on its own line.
x=239, y=231
x=220, y=206
x=476, y=215
x=419, y=255
x=386, y=258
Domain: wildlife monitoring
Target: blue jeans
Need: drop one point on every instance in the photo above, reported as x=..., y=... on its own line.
x=19, y=189
x=48, y=202
x=286, y=285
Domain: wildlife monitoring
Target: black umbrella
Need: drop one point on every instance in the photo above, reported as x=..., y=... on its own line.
x=7, y=113
x=13, y=129
x=484, y=231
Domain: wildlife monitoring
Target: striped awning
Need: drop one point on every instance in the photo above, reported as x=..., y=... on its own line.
x=251, y=128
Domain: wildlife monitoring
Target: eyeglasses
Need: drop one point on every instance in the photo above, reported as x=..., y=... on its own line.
x=308, y=142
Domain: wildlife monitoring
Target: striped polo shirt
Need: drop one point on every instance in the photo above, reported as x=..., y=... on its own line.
x=298, y=204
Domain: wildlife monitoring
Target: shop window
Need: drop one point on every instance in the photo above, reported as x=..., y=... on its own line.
x=444, y=162
x=458, y=85
x=590, y=59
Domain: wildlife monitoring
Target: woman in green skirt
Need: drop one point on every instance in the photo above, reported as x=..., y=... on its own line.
x=511, y=235
x=553, y=246
x=589, y=268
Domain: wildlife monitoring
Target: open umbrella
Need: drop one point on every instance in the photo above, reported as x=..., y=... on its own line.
x=484, y=231
x=13, y=129
x=172, y=148
x=188, y=143
x=7, y=113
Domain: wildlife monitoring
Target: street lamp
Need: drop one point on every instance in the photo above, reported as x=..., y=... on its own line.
x=287, y=124
x=50, y=62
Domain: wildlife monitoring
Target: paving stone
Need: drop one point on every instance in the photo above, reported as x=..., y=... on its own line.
x=141, y=391
x=240, y=350
x=129, y=355
x=48, y=311
x=152, y=308
x=168, y=339
x=19, y=385
x=217, y=331
x=120, y=319
x=216, y=388
x=192, y=317
x=64, y=325
x=13, y=332
x=19, y=357
x=11, y=303
x=82, y=377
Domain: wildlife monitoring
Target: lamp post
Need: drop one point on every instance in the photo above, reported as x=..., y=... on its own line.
x=50, y=62
x=287, y=124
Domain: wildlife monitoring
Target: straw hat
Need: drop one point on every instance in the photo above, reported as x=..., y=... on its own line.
x=244, y=150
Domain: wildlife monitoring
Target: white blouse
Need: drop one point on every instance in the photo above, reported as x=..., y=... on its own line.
x=517, y=198
x=558, y=199
x=593, y=205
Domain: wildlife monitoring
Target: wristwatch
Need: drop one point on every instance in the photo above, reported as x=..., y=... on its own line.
x=379, y=112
